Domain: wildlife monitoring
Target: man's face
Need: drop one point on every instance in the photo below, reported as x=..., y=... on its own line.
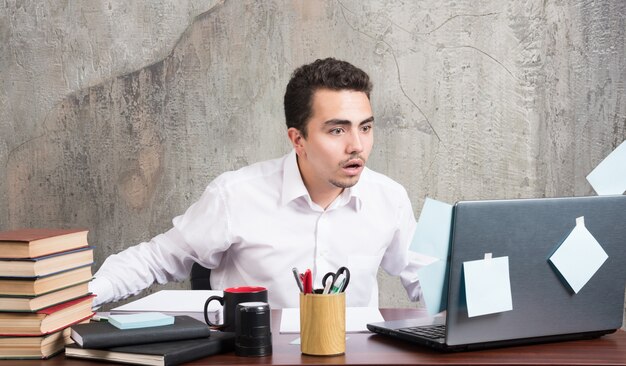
x=339, y=140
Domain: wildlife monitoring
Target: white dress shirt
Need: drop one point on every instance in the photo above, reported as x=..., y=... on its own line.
x=253, y=225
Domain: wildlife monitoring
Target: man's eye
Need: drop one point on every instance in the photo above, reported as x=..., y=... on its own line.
x=366, y=128
x=336, y=131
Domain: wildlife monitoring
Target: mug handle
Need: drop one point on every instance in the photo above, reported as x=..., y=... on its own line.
x=206, y=307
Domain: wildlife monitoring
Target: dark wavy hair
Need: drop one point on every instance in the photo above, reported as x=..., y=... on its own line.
x=328, y=73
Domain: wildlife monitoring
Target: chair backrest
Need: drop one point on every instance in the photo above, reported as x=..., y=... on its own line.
x=200, y=277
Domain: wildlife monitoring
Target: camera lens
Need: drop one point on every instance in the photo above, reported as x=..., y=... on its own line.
x=253, y=334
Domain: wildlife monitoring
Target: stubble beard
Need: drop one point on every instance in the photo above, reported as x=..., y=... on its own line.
x=343, y=185
x=350, y=181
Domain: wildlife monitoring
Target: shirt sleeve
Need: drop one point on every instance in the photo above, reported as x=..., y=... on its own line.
x=199, y=235
x=398, y=259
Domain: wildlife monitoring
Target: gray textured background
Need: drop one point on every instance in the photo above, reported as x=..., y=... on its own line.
x=115, y=116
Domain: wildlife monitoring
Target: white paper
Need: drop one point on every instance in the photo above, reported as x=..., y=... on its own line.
x=173, y=301
x=579, y=257
x=609, y=177
x=356, y=319
x=487, y=286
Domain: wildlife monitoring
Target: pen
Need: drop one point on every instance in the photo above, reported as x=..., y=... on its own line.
x=327, y=287
x=297, y=276
x=338, y=285
x=99, y=318
x=308, y=282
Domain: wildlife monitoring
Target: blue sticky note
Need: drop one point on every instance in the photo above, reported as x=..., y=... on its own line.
x=434, y=283
x=142, y=320
x=609, y=177
x=432, y=233
x=579, y=257
x=487, y=286
x=432, y=238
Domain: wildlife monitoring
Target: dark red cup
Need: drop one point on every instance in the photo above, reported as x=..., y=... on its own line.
x=232, y=297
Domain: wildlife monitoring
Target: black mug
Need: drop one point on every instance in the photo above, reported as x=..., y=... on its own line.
x=232, y=297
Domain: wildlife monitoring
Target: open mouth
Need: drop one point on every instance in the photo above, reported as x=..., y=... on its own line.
x=353, y=166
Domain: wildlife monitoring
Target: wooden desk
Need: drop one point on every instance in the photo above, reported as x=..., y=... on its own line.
x=364, y=349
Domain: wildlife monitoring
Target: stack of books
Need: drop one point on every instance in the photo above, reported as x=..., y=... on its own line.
x=146, y=343
x=44, y=275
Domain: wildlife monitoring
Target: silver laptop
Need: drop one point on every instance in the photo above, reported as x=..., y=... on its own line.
x=545, y=308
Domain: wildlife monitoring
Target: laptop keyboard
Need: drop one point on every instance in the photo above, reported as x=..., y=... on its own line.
x=426, y=331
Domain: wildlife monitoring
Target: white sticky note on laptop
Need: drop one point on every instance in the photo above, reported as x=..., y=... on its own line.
x=609, y=177
x=487, y=286
x=579, y=257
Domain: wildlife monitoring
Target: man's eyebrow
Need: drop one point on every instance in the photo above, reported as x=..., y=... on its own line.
x=368, y=120
x=343, y=122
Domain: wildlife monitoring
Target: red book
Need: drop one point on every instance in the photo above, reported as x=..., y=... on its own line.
x=46, y=320
x=39, y=347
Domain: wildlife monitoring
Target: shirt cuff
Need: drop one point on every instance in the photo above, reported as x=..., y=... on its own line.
x=103, y=289
x=409, y=277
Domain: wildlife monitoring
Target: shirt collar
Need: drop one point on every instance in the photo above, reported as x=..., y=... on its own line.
x=293, y=186
x=357, y=191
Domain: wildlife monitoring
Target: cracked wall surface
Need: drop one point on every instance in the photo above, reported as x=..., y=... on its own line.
x=115, y=116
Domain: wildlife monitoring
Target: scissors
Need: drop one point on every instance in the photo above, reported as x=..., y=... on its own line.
x=342, y=274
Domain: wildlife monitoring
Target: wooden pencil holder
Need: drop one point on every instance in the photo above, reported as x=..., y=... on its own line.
x=323, y=324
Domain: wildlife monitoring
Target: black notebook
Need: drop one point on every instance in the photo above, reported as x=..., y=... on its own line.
x=105, y=335
x=163, y=353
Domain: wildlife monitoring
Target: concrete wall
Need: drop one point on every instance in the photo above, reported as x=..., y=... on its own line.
x=115, y=116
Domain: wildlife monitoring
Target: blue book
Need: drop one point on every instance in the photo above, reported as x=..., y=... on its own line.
x=141, y=320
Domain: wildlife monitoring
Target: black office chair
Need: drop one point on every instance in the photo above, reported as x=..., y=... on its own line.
x=200, y=277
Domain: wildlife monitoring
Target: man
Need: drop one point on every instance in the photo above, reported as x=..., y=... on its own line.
x=318, y=207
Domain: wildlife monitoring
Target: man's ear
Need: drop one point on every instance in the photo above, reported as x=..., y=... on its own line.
x=296, y=138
